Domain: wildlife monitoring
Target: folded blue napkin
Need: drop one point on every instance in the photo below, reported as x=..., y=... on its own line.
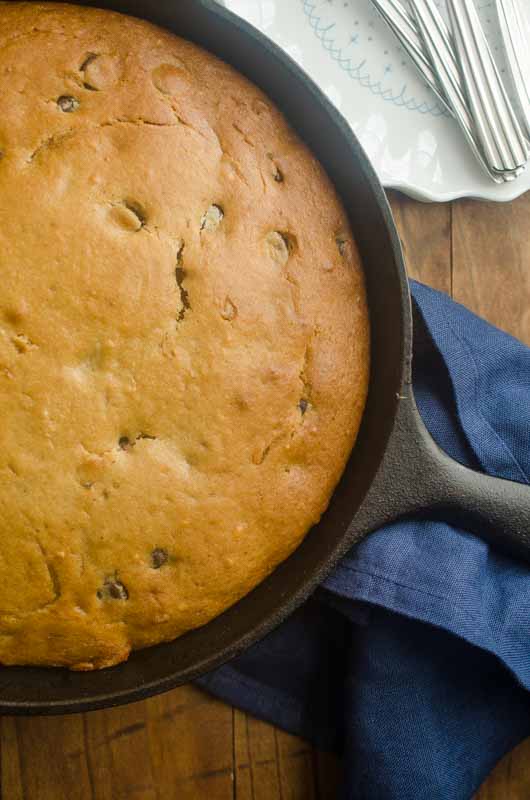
x=413, y=660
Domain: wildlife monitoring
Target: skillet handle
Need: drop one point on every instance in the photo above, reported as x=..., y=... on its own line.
x=417, y=478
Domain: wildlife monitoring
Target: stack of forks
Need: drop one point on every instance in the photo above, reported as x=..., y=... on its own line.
x=457, y=64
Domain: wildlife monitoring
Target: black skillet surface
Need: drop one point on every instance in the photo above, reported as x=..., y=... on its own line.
x=395, y=468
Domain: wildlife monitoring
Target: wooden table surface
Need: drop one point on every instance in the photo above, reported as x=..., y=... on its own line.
x=187, y=746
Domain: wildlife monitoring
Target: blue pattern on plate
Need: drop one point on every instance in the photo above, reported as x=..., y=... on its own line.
x=329, y=27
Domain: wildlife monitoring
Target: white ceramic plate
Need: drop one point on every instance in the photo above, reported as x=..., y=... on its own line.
x=346, y=48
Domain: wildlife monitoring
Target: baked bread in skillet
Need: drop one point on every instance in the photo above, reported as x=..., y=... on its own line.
x=183, y=336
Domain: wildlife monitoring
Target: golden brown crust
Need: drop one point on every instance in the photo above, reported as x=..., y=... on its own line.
x=183, y=336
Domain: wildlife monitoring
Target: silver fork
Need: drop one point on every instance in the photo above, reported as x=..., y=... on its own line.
x=516, y=40
x=496, y=123
x=436, y=62
x=437, y=40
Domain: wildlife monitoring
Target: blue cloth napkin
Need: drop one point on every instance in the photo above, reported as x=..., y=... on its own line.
x=413, y=660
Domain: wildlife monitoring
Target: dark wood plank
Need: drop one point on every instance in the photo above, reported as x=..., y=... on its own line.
x=256, y=759
x=48, y=759
x=491, y=262
x=118, y=753
x=177, y=745
x=190, y=740
x=298, y=779
x=243, y=775
x=271, y=763
x=10, y=773
x=425, y=233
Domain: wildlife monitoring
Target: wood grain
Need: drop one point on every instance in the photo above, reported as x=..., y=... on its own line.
x=491, y=262
x=256, y=758
x=187, y=746
x=425, y=233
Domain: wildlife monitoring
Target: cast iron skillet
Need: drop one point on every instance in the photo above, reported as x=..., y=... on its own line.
x=395, y=468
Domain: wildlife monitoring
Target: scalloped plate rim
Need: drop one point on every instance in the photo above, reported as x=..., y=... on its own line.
x=420, y=193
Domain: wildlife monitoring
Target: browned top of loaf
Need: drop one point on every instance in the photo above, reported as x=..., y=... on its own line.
x=183, y=336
